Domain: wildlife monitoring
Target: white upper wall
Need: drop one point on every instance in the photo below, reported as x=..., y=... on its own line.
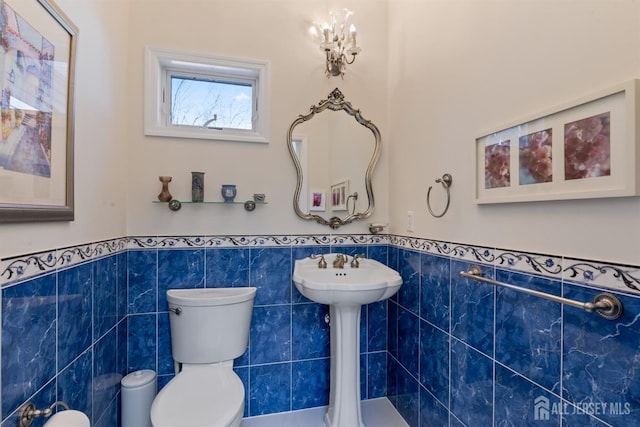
x=457, y=68
x=117, y=167
x=432, y=75
x=272, y=30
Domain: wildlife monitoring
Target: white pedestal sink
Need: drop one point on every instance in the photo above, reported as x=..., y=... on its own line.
x=345, y=290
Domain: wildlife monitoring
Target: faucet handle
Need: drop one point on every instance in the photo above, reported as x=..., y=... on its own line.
x=354, y=262
x=322, y=263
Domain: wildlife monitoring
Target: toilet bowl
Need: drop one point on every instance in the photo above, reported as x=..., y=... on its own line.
x=209, y=328
x=200, y=396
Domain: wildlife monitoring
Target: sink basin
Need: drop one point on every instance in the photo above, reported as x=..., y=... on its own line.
x=345, y=290
x=372, y=281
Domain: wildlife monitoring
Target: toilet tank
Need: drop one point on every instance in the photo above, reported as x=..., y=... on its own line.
x=209, y=325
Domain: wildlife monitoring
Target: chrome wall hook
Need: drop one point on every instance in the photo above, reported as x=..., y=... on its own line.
x=446, y=182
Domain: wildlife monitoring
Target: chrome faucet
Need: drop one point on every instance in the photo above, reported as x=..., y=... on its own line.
x=339, y=261
x=354, y=262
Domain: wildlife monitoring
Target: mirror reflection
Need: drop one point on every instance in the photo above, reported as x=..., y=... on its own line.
x=335, y=151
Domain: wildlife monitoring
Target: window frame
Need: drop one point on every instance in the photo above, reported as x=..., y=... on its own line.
x=160, y=64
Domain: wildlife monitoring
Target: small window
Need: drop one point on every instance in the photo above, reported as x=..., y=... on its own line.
x=206, y=102
x=205, y=96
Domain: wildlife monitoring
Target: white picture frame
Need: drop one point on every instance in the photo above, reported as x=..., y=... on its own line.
x=584, y=149
x=339, y=195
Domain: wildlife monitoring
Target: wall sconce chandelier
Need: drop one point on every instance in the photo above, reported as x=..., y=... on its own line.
x=339, y=45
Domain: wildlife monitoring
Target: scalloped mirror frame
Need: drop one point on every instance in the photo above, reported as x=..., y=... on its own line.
x=335, y=102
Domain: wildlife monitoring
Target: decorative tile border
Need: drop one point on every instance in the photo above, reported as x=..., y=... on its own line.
x=357, y=239
x=541, y=265
x=180, y=242
x=20, y=268
x=311, y=240
x=433, y=247
x=137, y=242
x=408, y=242
x=68, y=257
x=175, y=242
x=617, y=277
x=108, y=247
x=620, y=278
x=269, y=241
x=472, y=253
x=27, y=266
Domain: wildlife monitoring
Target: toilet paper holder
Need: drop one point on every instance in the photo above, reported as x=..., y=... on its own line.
x=28, y=412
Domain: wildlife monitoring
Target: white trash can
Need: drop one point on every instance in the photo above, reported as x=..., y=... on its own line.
x=137, y=394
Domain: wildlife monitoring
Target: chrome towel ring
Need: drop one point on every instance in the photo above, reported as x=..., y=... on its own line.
x=446, y=181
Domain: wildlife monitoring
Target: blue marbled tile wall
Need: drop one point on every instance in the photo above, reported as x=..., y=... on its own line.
x=64, y=333
x=286, y=366
x=467, y=353
x=446, y=350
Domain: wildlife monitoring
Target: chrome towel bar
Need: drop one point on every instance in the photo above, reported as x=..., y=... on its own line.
x=605, y=304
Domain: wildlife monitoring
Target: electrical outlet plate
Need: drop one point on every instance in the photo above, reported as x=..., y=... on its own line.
x=410, y=221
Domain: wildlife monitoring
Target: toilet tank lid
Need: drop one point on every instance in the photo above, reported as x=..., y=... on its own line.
x=210, y=296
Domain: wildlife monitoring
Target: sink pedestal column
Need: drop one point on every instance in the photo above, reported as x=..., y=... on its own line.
x=344, y=397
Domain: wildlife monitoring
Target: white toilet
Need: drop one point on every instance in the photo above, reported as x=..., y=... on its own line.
x=209, y=328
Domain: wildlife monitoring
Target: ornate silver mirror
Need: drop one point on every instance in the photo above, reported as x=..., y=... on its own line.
x=334, y=155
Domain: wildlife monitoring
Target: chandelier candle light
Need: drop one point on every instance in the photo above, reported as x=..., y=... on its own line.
x=336, y=42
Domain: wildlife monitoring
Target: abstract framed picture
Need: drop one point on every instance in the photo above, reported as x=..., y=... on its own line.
x=588, y=148
x=38, y=48
x=339, y=194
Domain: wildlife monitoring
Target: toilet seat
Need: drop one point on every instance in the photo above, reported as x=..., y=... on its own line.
x=200, y=396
